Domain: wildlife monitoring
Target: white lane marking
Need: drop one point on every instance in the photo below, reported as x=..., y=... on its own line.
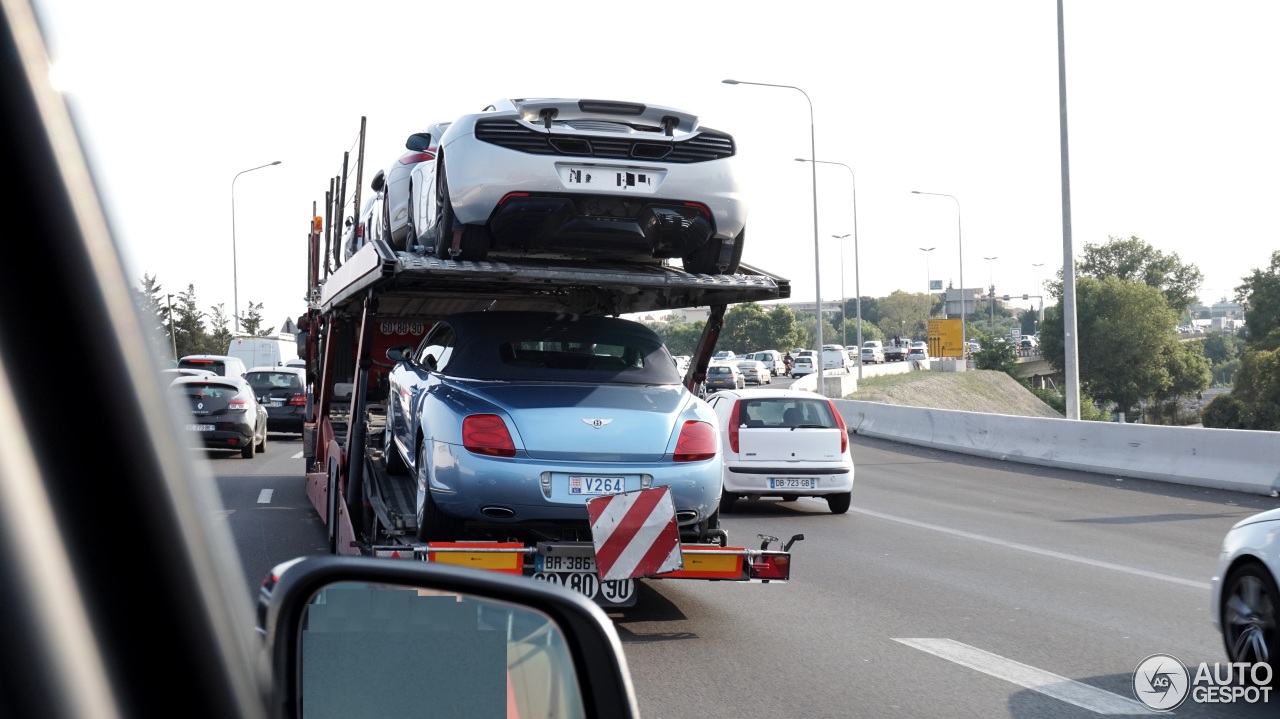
x=264, y=497
x=1037, y=550
x=1024, y=675
x=297, y=456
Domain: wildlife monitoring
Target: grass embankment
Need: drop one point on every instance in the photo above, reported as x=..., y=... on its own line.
x=973, y=391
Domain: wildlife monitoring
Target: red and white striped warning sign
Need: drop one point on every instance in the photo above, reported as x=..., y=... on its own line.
x=635, y=534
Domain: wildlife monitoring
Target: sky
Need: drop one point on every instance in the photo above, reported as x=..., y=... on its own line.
x=1171, y=121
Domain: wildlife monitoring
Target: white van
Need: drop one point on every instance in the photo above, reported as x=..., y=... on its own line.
x=221, y=365
x=270, y=351
x=771, y=359
x=835, y=357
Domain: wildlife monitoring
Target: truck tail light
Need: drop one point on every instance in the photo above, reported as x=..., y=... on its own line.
x=734, y=418
x=771, y=566
x=697, y=442
x=487, y=434
x=298, y=400
x=844, y=431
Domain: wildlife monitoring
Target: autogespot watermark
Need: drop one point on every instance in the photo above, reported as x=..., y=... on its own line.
x=1163, y=683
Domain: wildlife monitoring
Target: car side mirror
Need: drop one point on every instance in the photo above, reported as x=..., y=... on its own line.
x=400, y=353
x=418, y=142
x=347, y=636
x=378, y=181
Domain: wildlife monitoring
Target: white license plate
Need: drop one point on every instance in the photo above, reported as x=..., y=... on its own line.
x=644, y=182
x=595, y=485
x=200, y=427
x=792, y=483
x=565, y=563
x=619, y=593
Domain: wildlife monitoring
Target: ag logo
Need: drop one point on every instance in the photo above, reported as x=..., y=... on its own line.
x=1161, y=682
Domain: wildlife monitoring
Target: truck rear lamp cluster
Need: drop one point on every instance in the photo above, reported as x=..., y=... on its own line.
x=487, y=434
x=697, y=442
x=771, y=566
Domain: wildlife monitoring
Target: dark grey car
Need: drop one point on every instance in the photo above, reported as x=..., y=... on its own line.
x=225, y=413
x=283, y=392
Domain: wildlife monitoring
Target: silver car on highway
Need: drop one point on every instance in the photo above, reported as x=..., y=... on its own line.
x=588, y=178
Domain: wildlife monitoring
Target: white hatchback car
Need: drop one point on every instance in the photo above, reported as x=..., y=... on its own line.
x=1244, y=600
x=584, y=178
x=783, y=443
x=802, y=365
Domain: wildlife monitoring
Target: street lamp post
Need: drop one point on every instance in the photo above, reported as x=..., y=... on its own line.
x=817, y=267
x=964, y=334
x=844, y=331
x=857, y=266
x=235, y=268
x=1040, y=287
x=992, y=300
x=928, y=282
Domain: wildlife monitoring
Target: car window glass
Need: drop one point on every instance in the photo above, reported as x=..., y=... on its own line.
x=438, y=345
x=456, y=655
x=779, y=412
x=215, y=366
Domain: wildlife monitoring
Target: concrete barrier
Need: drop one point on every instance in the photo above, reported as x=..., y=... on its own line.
x=1239, y=460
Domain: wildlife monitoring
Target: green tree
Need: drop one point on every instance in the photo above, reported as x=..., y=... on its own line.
x=784, y=332
x=1136, y=260
x=1257, y=386
x=680, y=336
x=870, y=309
x=1223, y=412
x=745, y=329
x=997, y=354
x=153, y=307
x=1189, y=374
x=1221, y=347
x=1124, y=331
x=190, y=335
x=219, y=337
x=252, y=321
x=903, y=314
x=1260, y=295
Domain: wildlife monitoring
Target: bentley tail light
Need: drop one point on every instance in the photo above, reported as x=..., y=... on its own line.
x=697, y=442
x=487, y=434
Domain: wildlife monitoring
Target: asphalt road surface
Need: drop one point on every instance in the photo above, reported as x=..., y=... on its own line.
x=954, y=587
